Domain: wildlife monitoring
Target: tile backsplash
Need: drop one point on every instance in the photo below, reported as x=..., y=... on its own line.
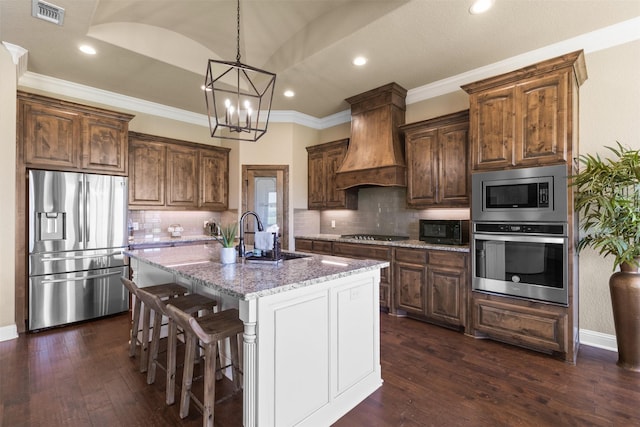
x=152, y=224
x=381, y=210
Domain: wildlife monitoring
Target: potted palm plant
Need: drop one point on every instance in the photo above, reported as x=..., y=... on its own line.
x=608, y=201
x=227, y=239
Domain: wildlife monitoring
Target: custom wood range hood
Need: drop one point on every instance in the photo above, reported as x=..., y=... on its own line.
x=375, y=156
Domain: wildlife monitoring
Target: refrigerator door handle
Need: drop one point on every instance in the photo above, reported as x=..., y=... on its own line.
x=88, y=214
x=78, y=279
x=80, y=216
x=68, y=258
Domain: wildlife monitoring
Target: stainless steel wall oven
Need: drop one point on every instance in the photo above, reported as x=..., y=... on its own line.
x=519, y=237
x=523, y=260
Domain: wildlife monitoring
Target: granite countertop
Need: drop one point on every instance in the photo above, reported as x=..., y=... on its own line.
x=246, y=281
x=416, y=244
x=164, y=241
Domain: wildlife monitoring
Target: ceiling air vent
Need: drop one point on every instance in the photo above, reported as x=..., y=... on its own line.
x=47, y=11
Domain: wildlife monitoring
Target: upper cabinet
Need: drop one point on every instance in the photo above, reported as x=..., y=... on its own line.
x=526, y=117
x=168, y=173
x=55, y=134
x=324, y=161
x=438, y=169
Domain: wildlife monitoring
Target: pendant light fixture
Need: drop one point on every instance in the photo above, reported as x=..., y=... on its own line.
x=238, y=97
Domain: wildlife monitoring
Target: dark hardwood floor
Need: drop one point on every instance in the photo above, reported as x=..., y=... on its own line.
x=82, y=376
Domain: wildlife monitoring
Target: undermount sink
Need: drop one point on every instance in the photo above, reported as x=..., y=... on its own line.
x=290, y=255
x=284, y=256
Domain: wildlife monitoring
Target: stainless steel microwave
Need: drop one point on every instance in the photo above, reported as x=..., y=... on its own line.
x=527, y=194
x=445, y=232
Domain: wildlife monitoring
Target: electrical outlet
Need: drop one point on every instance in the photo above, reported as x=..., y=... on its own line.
x=136, y=226
x=333, y=223
x=204, y=225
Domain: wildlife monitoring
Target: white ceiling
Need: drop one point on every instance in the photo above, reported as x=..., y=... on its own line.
x=157, y=50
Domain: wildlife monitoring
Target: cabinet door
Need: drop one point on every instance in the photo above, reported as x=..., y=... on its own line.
x=50, y=136
x=541, y=117
x=445, y=294
x=214, y=182
x=422, y=169
x=146, y=173
x=492, y=128
x=454, y=185
x=317, y=184
x=333, y=159
x=182, y=184
x=447, y=287
x=104, y=145
x=409, y=282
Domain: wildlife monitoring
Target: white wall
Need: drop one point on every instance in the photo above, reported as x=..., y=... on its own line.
x=8, y=328
x=609, y=112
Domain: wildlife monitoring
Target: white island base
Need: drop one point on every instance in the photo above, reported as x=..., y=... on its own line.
x=316, y=352
x=311, y=351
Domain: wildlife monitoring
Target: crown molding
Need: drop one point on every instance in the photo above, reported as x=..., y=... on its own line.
x=605, y=38
x=614, y=35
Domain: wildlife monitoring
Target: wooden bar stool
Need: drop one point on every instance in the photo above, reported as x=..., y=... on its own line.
x=163, y=291
x=190, y=304
x=209, y=329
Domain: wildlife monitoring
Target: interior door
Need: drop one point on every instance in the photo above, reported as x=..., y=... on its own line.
x=265, y=191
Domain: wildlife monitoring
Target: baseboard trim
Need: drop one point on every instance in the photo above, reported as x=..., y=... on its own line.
x=9, y=332
x=598, y=339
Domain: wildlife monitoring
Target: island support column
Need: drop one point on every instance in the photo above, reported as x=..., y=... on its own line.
x=249, y=314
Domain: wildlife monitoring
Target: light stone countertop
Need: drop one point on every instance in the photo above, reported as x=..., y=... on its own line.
x=415, y=244
x=201, y=265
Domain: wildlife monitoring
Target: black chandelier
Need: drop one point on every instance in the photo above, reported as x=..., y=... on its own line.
x=238, y=97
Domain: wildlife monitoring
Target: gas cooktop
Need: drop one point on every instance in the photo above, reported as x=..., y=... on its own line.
x=374, y=237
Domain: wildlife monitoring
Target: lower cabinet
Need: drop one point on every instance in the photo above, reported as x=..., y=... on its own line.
x=429, y=285
x=432, y=285
x=542, y=327
x=382, y=253
x=353, y=250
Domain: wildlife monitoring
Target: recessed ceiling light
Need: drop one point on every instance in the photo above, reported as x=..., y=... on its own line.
x=359, y=61
x=480, y=6
x=85, y=48
x=208, y=89
x=289, y=93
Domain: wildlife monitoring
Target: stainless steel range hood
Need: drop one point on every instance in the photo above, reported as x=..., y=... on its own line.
x=375, y=156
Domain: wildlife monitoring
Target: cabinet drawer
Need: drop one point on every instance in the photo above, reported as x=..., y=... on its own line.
x=354, y=250
x=411, y=256
x=304, y=245
x=447, y=258
x=530, y=327
x=322, y=247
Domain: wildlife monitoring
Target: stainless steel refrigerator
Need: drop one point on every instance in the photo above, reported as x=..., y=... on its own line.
x=77, y=234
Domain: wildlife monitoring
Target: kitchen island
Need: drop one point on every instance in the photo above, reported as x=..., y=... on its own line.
x=311, y=345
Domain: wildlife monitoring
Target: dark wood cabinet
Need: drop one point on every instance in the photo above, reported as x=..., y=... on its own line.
x=353, y=250
x=167, y=173
x=410, y=280
x=182, y=176
x=542, y=327
x=147, y=168
x=438, y=171
x=448, y=287
x=213, y=182
x=324, y=161
x=429, y=285
x=432, y=285
x=60, y=135
x=526, y=117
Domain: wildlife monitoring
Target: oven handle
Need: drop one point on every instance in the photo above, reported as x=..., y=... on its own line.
x=521, y=238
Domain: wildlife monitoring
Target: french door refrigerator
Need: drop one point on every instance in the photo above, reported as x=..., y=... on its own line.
x=77, y=234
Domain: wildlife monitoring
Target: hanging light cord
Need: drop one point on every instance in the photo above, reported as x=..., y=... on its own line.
x=238, y=34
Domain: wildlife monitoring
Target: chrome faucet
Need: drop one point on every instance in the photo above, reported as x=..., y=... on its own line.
x=241, y=250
